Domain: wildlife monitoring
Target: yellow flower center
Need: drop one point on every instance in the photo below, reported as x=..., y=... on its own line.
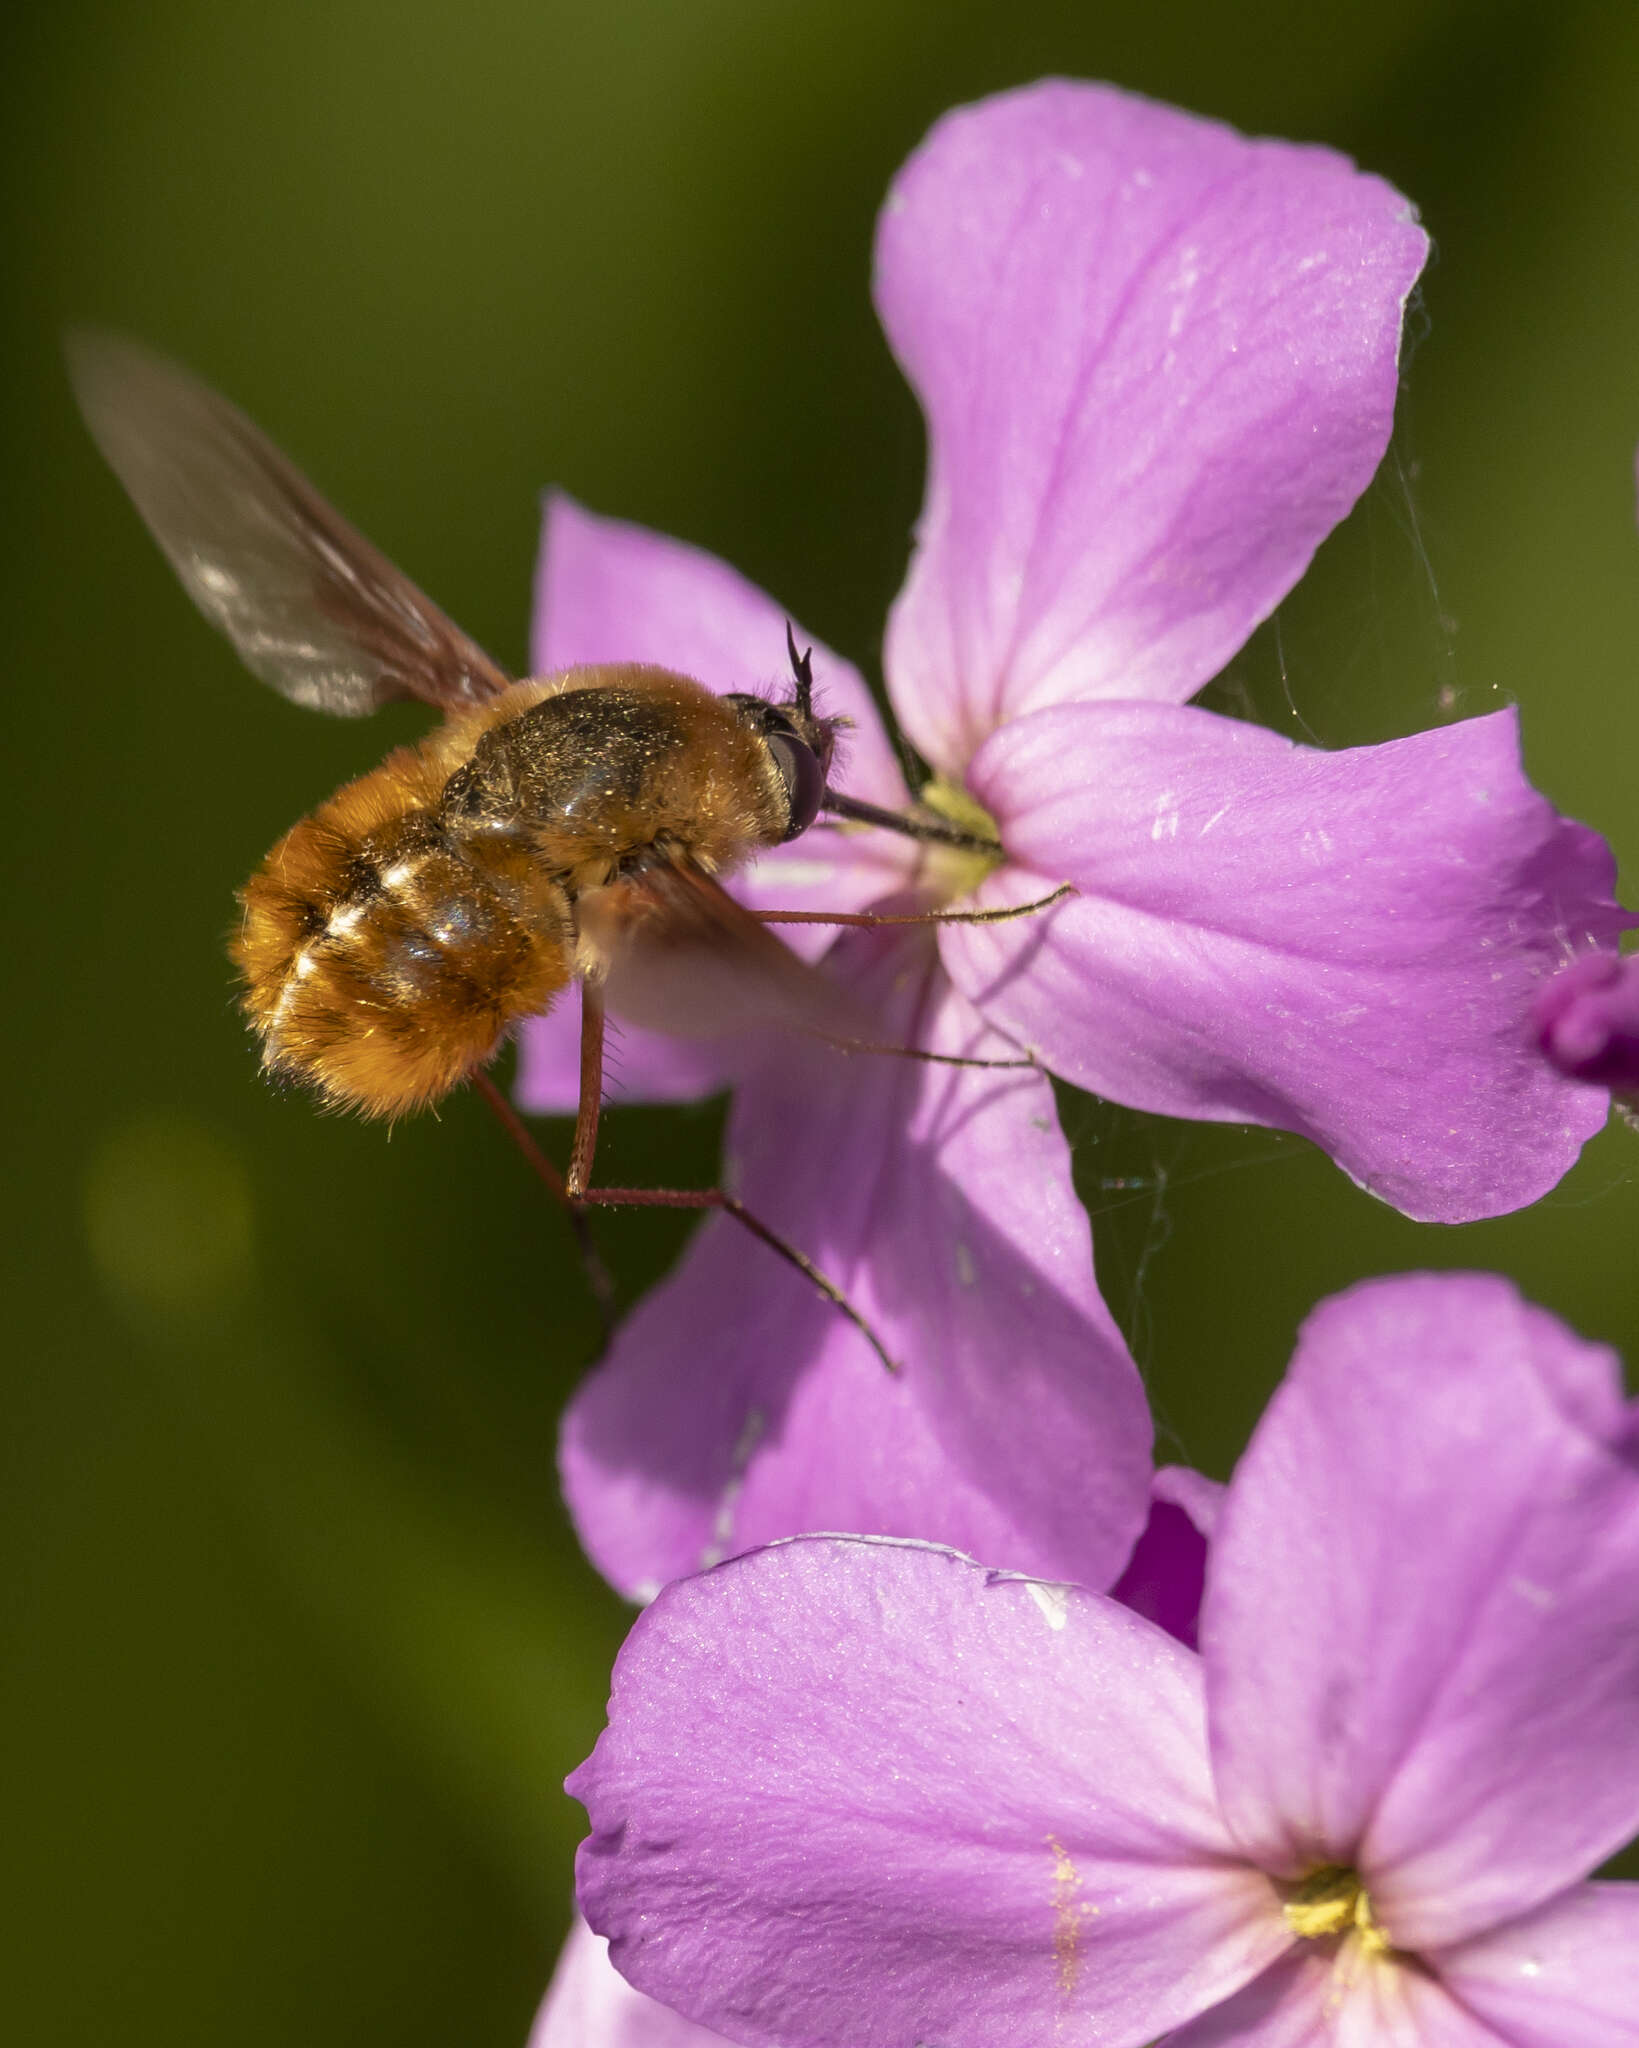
x=958, y=870
x=1332, y=1900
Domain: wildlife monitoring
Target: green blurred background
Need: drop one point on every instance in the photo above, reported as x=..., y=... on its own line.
x=297, y=1646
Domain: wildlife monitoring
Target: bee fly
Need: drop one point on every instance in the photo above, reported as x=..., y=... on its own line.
x=569, y=828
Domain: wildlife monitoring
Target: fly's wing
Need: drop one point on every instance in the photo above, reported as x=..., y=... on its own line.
x=681, y=956
x=311, y=606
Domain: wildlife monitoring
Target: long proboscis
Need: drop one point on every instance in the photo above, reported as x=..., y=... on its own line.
x=937, y=831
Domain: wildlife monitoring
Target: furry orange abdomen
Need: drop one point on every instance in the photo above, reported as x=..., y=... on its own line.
x=383, y=957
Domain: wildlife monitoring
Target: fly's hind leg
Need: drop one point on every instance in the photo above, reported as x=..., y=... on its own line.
x=599, y=1284
x=580, y=1197
x=730, y=1205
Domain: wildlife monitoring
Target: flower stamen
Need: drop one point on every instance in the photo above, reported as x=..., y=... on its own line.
x=961, y=871
x=1332, y=1900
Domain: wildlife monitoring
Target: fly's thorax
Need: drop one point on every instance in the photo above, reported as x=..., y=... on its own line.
x=381, y=964
x=595, y=770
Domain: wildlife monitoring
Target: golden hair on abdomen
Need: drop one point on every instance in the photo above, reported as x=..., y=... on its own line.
x=383, y=958
x=390, y=941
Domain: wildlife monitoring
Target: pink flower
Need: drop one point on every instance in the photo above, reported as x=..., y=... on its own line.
x=589, y=2004
x=869, y=1792
x=1158, y=363
x=1164, y=1577
x=1587, y=1021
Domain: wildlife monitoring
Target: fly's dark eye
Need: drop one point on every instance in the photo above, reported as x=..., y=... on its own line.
x=800, y=768
x=803, y=777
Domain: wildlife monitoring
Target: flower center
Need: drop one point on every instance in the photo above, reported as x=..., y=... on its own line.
x=1332, y=1900
x=959, y=869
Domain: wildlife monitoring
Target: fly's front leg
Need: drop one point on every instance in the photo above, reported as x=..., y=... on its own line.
x=871, y=918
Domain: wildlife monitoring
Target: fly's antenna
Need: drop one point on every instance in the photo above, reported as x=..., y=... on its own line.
x=802, y=668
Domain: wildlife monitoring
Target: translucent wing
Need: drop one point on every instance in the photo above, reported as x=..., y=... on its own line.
x=682, y=956
x=311, y=606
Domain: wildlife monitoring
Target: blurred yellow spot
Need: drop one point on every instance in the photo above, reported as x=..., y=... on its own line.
x=168, y=1216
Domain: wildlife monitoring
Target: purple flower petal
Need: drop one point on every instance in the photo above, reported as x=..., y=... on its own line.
x=1157, y=363
x=1566, y=1975
x=1421, y=1623
x=1342, y=944
x=1587, y=1020
x=737, y=1406
x=1321, y=1995
x=590, y=2005
x=866, y=1792
x=1200, y=1498
x=1167, y=1570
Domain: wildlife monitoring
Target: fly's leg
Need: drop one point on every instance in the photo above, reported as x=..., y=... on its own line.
x=876, y=917
x=580, y=1196
x=584, y=1147
x=598, y=1281
x=916, y=1052
x=715, y=1198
